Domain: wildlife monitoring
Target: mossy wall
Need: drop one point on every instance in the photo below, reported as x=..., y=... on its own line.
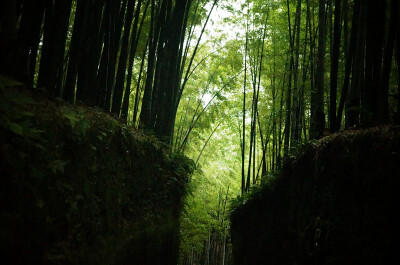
x=336, y=202
x=78, y=187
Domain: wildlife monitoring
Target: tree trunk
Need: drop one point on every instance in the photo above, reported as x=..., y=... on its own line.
x=91, y=54
x=25, y=52
x=138, y=92
x=102, y=73
x=387, y=60
x=135, y=35
x=114, y=17
x=55, y=35
x=8, y=34
x=375, y=23
x=349, y=54
x=117, y=19
x=357, y=79
x=145, y=113
x=317, y=95
x=120, y=78
x=296, y=121
x=335, y=65
x=244, y=115
x=74, y=50
x=289, y=92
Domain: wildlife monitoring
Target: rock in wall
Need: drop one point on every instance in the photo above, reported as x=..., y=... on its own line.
x=335, y=202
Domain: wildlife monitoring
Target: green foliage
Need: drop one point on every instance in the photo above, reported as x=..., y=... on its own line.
x=57, y=166
x=298, y=147
x=77, y=119
x=255, y=192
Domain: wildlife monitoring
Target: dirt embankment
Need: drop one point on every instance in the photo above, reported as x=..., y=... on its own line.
x=78, y=187
x=335, y=202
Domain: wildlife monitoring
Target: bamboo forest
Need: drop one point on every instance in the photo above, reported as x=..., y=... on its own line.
x=199, y=132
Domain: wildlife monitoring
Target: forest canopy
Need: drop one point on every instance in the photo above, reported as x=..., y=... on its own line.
x=235, y=85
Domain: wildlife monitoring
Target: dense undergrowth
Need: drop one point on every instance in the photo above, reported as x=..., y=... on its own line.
x=79, y=187
x=334, y=202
